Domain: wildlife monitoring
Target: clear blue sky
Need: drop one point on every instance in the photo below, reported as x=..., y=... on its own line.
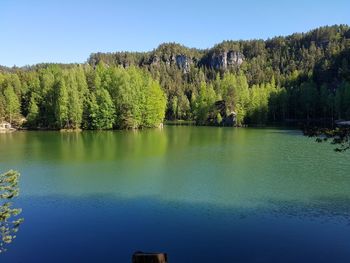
x=69, y=30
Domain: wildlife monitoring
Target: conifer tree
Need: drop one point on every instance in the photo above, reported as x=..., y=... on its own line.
x=12, y=105
x=61, y=101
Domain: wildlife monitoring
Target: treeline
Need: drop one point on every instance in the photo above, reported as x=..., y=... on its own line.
x=267, y=102
x=309, y=73
x=82, y=97
x=304, y=77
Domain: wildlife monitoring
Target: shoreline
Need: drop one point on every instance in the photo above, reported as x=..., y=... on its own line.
x=295, y=124
x=71, y=131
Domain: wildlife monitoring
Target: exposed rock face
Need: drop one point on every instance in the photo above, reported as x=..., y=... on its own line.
x=183, y=63
x=220, y=107
x=228, y=118
x=225, y=59
x=219, y=61
x=234, y=58
x=155, y=60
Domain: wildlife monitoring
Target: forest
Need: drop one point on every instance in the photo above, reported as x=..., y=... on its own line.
x=300, y=78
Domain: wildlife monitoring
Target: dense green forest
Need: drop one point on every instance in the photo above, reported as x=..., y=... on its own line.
x=304, y=77
x=73, y=97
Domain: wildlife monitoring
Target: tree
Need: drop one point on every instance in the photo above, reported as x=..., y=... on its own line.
x=218, y=119
x=33, y=112
x=183, y=109
x=9, y=221
x=155, y=104
x=75, y=99
x=339, y=136
x=346, y=99
x=241, y=99
x=259, y=103
x=2, y=107
x=204, y=101
x=61, y=103
x=174, y=106
x=309, y=98
x=301, y=77
x=103, y=111
x=12, y=104
x=48, y=96
x=234, y=90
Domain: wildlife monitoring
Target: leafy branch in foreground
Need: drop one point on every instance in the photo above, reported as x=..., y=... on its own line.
x=339, y=136
x=9, y=221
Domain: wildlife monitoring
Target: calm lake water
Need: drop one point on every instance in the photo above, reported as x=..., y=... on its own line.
x=200, y=194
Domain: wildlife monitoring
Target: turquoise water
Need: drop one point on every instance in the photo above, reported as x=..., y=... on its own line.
x=201, y=194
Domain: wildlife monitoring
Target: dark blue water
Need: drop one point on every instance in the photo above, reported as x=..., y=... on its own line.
x=106, y=229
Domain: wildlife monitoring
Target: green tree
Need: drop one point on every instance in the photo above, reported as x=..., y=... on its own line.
x=155, y=104
x=75, y=99
x=33, y=112
x=346, y=99
x=204, y=102
x=183, y=109
x=104, y=115
x=2, y=107
x=9, y=221
x=12, y=104
x=61, y=101
x=309, y=98
x=218, y=119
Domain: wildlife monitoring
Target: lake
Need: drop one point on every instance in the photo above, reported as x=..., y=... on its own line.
x=201, y=194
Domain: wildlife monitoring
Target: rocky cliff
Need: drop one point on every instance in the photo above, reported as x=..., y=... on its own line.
x=220, y=115
x=174, y=55
x=224, y=59
x=183, y=62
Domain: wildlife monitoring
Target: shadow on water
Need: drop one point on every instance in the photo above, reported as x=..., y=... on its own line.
x=108, y=228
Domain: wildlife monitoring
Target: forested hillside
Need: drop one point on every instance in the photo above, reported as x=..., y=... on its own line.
x=304, y=77
x=78, y=96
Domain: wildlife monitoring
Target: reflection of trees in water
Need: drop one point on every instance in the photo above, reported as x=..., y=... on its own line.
x=9, y=221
